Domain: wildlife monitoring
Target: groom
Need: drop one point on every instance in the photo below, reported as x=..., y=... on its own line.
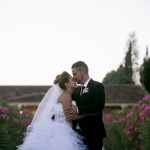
x=90, y=100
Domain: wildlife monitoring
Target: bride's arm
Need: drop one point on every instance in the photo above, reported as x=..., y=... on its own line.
x=66, y=101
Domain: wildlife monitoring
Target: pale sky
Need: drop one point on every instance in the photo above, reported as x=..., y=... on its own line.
x=41, y=38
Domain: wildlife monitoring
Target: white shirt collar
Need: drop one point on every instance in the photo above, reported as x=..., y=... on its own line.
x=86, y=83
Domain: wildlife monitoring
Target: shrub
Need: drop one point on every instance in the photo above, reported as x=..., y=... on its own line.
x=12, y=125
x=129, y=129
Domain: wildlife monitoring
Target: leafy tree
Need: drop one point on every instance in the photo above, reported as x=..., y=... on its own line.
x=123, y=76
x=110, y=77
x=117, y=77
x=127, y=71
x=145, y=72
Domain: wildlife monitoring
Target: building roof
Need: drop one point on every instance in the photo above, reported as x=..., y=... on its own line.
x=114, y=93
x=124, y=93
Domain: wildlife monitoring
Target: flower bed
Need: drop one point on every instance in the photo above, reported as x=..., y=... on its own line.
x=13, y=124
x=129, y=129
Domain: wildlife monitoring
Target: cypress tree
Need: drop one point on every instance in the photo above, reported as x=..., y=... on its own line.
x=145, y=72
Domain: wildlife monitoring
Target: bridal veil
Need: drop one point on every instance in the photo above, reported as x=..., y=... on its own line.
x=45, y=111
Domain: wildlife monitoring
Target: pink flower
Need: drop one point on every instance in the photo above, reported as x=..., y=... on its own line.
x=16, y=121
x=27, y=122
x=108, y=117
x=130, y=114
x=4, y=110
x=140, y=138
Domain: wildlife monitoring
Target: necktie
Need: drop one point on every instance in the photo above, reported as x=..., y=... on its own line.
x=82, y=88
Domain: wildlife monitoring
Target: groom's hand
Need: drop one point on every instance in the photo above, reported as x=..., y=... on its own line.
x=72, y=111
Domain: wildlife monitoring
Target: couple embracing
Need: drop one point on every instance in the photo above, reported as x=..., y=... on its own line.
x=69, y=116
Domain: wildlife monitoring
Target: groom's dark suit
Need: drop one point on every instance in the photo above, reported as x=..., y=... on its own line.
x=91, y=102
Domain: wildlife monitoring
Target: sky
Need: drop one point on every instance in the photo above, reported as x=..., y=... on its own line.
x=41, y=38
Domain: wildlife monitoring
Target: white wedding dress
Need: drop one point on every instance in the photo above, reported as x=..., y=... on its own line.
x=54, y=134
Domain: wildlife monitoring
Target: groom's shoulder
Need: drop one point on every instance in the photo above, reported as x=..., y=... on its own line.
x=96, y=82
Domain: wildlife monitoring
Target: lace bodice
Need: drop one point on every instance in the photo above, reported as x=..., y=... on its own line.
x=59, y=113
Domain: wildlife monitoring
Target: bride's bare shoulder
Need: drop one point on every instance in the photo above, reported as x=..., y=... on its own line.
x=64, y=97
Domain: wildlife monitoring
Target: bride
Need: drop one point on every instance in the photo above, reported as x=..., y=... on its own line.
x=50, y=128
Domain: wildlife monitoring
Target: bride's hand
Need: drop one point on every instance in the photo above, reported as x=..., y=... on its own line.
x=71, y=111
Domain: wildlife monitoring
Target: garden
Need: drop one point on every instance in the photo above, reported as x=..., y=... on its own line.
x=13, y=123
x=129, y=129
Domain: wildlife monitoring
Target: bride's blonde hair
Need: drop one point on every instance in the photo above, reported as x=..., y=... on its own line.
x=61, y=79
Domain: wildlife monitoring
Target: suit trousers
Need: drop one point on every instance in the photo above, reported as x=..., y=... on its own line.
x=93, y=143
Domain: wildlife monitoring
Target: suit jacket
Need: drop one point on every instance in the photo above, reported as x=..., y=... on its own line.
x=91, y=102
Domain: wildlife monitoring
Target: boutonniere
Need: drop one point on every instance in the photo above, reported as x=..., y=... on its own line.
x=85, y=90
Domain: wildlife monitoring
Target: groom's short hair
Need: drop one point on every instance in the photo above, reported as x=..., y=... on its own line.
x=80, y=65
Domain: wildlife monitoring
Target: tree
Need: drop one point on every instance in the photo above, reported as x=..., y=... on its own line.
x=128, y=62
x=110, y=77
x=127, y=71
x=123, y=76
x=117, y=77
x=145, y=72
x=131, y=58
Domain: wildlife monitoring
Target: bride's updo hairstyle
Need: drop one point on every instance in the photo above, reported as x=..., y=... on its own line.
x=61, y=79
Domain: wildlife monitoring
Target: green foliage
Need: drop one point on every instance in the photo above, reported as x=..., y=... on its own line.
x=4, y=139
x=127, y=71
x=145, y=72
x=132, y=56
x=129, y=128
x=145, y=131
x=118, y=77
x=12, y=126
x=128, y=61
x=110, y=78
